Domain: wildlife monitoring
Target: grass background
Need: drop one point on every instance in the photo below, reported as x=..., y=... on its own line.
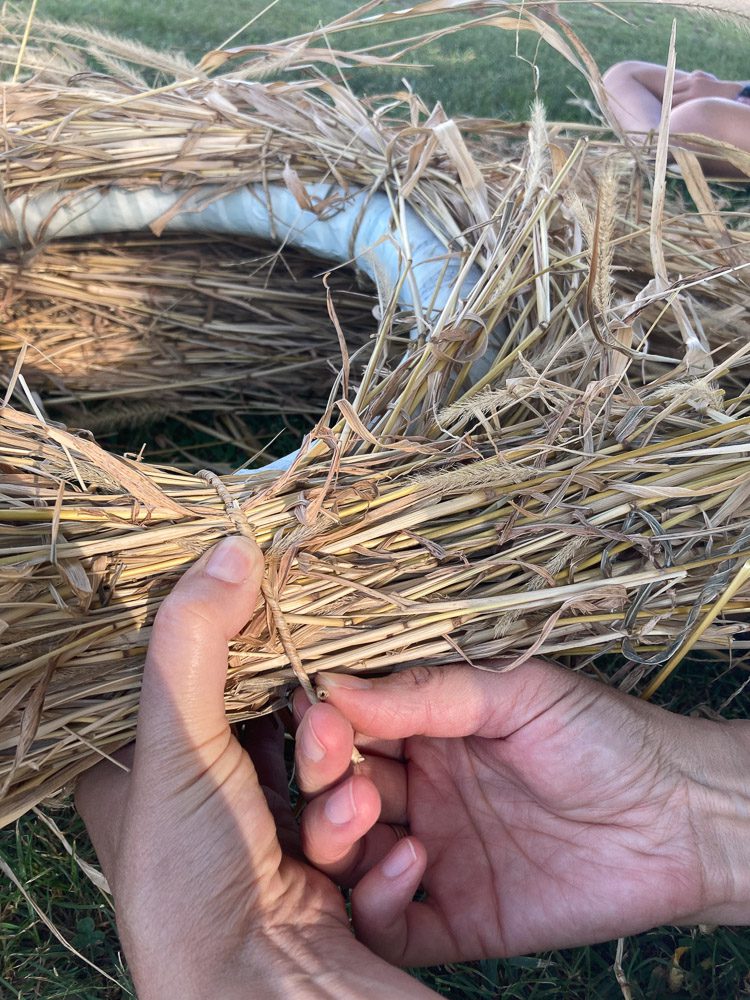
x=481, y=72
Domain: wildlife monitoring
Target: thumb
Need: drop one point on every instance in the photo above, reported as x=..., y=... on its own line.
x=182, y=699
x=449, y=701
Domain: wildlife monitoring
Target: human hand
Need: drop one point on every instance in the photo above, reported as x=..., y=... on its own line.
x=543, y=810
x=699, y=84
x=198, y=841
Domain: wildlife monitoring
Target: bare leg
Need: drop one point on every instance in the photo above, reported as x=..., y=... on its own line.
x=636, y=91
x=717, y=118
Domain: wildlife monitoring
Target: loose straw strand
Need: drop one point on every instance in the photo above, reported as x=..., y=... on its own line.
x=287, y=642
x=24, y=42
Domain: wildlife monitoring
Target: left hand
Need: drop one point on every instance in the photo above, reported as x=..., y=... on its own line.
x=198, y=841
x=543, y=810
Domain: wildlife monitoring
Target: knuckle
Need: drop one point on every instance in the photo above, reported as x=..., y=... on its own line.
x=421, y=676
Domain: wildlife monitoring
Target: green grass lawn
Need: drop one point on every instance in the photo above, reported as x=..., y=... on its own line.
x=487, y=73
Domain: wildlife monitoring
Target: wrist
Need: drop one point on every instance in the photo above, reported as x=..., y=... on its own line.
x=294, y=965
x=719, y=812
x=325, y=966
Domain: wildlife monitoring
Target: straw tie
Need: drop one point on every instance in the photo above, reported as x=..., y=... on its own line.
x=240, y=522
x=236, y=516
x=233, y=509
x=286, y=640
x=289, y=647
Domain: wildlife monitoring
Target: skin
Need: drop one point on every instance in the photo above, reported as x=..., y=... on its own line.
x=551, y=811
x=701, y=105
x=536, y=808
x=198, y=841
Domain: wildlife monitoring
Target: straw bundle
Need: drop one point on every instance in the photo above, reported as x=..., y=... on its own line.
x=584, y=494
x=158, y=327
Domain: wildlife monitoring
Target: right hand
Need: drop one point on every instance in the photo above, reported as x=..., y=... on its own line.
x=543, y=810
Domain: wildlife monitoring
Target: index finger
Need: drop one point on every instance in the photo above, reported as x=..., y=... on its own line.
x=449, y=701
x=366, y=744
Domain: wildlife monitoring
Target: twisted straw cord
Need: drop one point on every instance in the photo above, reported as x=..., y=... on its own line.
x=240, y=522
x=242, y=526
x=233, y=509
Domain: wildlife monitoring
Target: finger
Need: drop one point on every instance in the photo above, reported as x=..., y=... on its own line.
x=450, y=701
x=366, y=852
x=371, y=745
x=389, y=922
x=182, y=700
x=300, y=705
x=339, y=830
x=101, y=799
x=364, y=743
x=333, y=823
x=323, y=756
x=323, y=751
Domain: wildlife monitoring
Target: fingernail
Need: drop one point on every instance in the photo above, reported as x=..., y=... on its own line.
x=340, y=806
x=310, y=745
x=330, y=680
x=231, y=560
x=399, y=860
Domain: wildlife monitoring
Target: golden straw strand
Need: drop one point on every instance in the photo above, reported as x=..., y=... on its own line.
x=742, y=576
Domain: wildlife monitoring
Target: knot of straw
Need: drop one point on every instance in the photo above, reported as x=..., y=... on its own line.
x=268, y=589
x=232, y=508
x=242, y=526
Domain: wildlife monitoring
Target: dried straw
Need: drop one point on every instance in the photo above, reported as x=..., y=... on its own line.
x=158, y=327
x=585, y=496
